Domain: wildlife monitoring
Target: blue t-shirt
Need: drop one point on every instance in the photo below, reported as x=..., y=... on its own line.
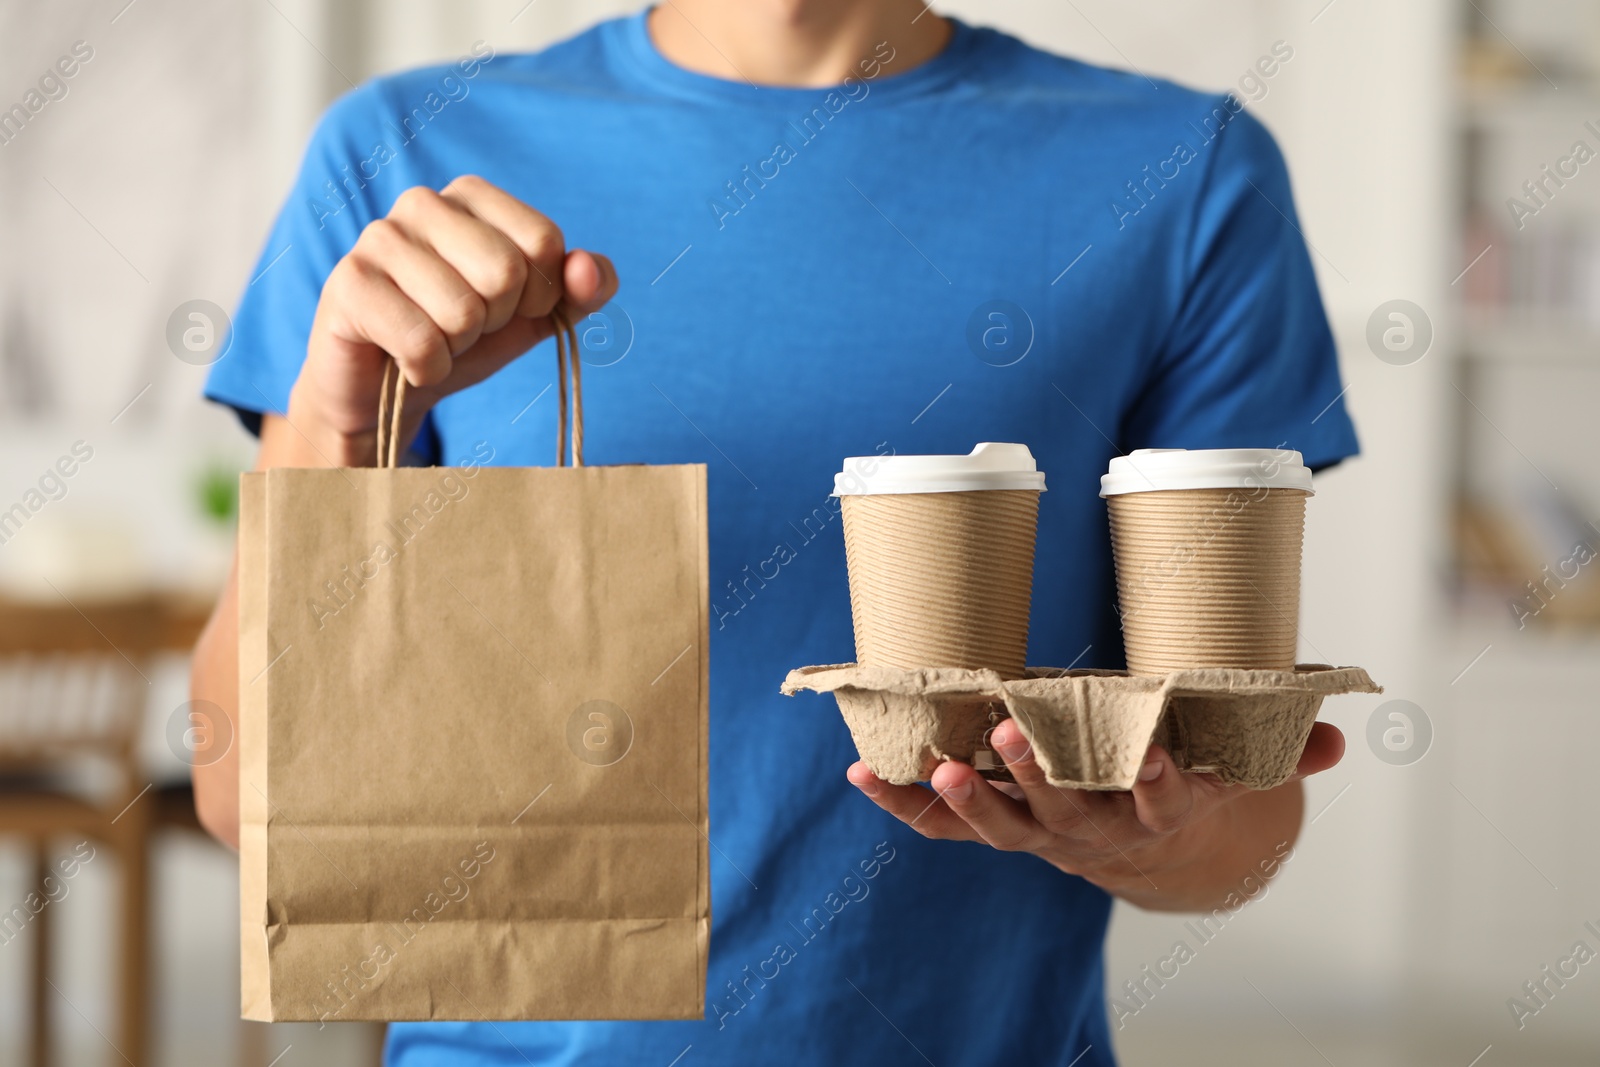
x=996, y=245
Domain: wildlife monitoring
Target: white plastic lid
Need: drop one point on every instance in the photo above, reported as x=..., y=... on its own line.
x=988, y=466
x=1153, y=469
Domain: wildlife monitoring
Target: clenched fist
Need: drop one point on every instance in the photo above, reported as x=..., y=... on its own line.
x=453, y=285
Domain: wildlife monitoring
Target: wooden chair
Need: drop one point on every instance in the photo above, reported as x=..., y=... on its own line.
x=74, y=684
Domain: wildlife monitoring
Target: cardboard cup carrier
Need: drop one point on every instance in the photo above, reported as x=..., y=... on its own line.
x=940, y=555
x=1207, y=549
x=1207, y=546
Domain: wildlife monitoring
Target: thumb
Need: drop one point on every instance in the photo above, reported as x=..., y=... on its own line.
x=588, y=279
x=1161, y=797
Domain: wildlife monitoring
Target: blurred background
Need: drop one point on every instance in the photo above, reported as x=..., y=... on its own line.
x=1455, y=223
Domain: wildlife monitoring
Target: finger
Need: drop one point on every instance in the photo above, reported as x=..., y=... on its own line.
x=1165, y=798
x=426, y=280
x=923, y=811
x=490, y=263
x=1000, y=821
x=379, y=313
x=589, y=281
x=494, y=350
x=1324, y=748
x=539, y=239
x=1068, y=812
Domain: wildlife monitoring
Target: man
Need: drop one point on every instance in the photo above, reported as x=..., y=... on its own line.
x=847, y=227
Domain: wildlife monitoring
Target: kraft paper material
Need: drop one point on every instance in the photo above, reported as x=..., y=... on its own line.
x=473, y=743
x=1089, y=729
x=1208, y=577
x=941, y=578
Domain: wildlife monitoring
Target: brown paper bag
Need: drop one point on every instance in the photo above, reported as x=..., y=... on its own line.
x=473, y=741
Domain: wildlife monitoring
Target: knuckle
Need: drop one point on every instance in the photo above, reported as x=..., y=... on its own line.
x=1028, y=773
x=463, y=315
x=466, y=183
x=1018, y=843
x=413, y=199
x=417, y=344
x=1062, y=824
x=349, y=273
x=352, y=282
x=504, y=272
x=546, y=245
x=378, y=236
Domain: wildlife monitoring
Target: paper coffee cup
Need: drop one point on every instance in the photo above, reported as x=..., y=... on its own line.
x=1207, y=546
x=940, y=556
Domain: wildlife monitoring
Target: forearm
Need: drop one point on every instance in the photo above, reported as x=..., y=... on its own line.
x=214, y=677
x=1225, y=854
x=214, y=671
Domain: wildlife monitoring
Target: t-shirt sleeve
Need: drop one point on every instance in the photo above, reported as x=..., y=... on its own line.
x=1250, y=360
x=333, y=198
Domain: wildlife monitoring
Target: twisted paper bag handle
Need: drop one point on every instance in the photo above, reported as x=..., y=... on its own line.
x=566, y=352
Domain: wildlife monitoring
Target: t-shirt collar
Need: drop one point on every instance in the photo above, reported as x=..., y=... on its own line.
x=635, y=55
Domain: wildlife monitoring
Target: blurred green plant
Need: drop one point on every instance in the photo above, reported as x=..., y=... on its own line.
x=217, y=493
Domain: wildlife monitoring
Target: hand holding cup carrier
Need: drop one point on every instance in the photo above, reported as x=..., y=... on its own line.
x=1207, y=547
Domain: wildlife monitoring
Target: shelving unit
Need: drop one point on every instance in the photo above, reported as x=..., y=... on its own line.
x=1530, y=316
x=1497, y=106
x=1520, y=337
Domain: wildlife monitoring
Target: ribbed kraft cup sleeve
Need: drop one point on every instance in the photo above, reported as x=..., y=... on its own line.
x=942, y=579
x=1208, y=577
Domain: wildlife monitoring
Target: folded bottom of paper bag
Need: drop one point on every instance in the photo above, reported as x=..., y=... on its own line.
x=1089, y=729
